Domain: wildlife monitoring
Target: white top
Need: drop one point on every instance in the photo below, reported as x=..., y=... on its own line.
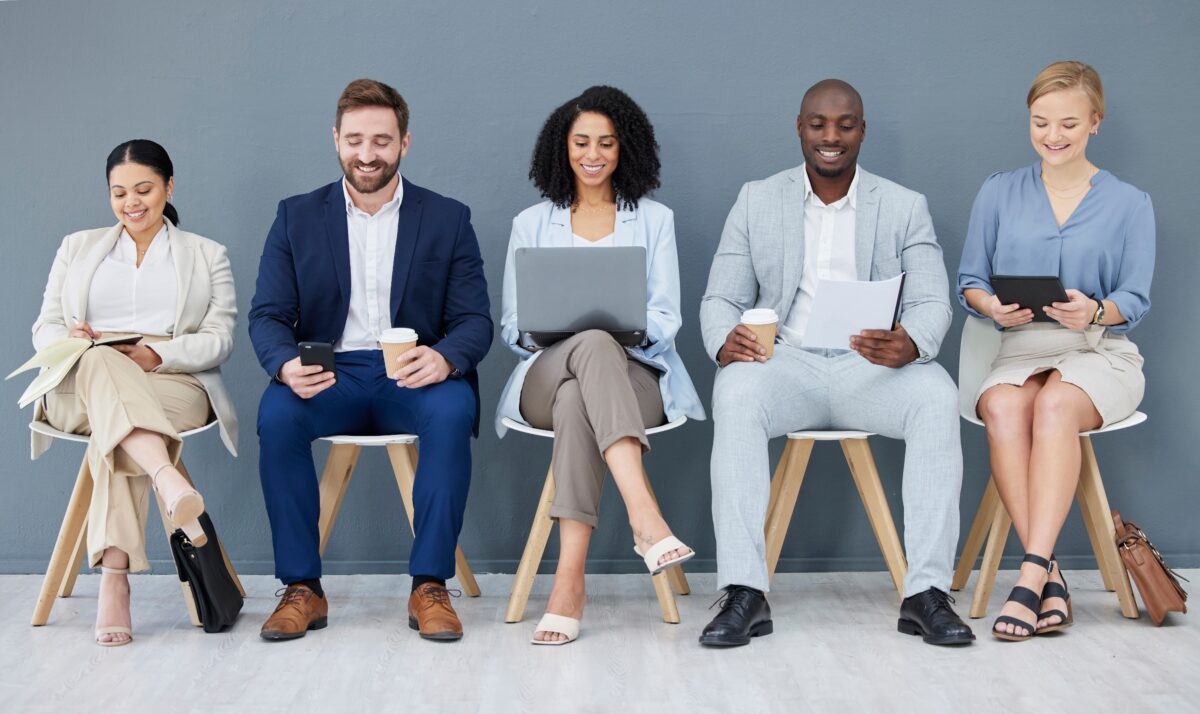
x=372, y=253
x=580, y=242
x=126, y=298
x=828, y=252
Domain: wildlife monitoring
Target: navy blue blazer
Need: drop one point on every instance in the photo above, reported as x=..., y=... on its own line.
x=438, y=286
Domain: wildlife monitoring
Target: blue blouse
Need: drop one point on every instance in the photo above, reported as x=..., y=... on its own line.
x=1104, y=250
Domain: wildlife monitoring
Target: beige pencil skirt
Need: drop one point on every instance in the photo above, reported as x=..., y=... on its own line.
x=1106, y=366
x=106, y=396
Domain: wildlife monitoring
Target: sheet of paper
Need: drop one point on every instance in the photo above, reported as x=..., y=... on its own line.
x=842, y=308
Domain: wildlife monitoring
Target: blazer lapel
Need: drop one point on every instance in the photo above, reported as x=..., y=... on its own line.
x=183, y=255
x=86, y=270
x=792, y=239
x=560, y=228
x=407, y=231
x=339, y=239
x=866, y=220
x=623, y=230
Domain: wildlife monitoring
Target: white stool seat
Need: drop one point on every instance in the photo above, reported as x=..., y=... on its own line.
x=376, y=440
x=830, y=435
x=42, y=427
x=526, y=429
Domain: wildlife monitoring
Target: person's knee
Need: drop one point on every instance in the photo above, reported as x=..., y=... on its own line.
x=936, y=399
x=736, y=391
x=99, y=357
x=280, y=417
x=569, y=406
x=1004, y=410
x=450, y=410
x=599, y=344
x=1054, y=409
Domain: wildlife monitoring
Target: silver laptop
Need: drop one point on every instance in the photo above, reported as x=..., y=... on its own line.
x=564, y=291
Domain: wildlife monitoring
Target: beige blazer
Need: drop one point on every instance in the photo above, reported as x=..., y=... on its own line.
x=205, y=316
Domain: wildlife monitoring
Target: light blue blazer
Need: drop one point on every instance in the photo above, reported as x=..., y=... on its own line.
x=650, y=225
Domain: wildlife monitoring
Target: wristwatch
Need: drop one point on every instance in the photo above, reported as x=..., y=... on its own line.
x=1098, y=318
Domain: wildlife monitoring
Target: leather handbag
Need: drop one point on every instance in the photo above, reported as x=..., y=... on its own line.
x=1156, y=583
x=218, y=600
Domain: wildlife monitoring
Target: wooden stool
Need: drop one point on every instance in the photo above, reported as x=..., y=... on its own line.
x=402, y=452
x=539, y=534
x=785, y=488
x=978, y=349
x=71, y=544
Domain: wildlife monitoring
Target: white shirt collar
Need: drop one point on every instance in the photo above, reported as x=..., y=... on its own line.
x=126, y=248
x=851, y=196
x=391, y=205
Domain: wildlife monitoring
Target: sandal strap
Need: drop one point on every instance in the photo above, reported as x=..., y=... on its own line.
x=1008, y=620
x=558, y=624
x=114, y=630
x=1054, y=589
x=1062, y=617
x=114, y=571
x=1038, y=561
x=1024, y=596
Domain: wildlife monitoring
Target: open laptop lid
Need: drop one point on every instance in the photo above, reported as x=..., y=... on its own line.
x=563, y=291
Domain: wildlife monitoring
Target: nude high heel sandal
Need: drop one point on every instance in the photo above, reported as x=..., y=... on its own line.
x=184, y=511
x=115, y=629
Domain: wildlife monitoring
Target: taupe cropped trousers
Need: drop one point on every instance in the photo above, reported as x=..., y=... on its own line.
x=588, y=390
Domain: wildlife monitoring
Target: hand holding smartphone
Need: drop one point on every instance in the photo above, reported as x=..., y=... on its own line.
x=318, y=353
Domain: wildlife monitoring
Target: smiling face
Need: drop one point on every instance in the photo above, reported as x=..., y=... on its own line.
x=370, y=147
x=1059, y=125
x=138, y=195
x=593, y=149
x=831, y=129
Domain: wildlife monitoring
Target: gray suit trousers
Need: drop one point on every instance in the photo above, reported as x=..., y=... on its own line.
x=800, y=389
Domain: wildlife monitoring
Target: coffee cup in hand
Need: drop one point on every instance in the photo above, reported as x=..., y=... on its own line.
x=395, y=342
x=762, y=322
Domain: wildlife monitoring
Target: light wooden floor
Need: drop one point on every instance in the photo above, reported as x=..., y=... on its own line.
x=835, y=648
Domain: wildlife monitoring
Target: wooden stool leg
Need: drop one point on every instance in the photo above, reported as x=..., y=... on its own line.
x=997, y=537
x=404, y=467
x=535, y=547
x=224, y=555
x=68, y=582
x=74, y=522
x=1091, y=489
x=666, y=598
x=1085, y=511
x=675, y=574
x=785, y=489
x=335, y=478
x=979, y=528
x=188, y=600
x=870, y=490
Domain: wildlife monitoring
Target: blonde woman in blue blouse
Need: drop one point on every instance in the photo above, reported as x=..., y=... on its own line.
x=1051, y=380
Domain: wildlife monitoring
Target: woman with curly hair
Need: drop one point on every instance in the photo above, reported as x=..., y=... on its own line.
x=595, y=160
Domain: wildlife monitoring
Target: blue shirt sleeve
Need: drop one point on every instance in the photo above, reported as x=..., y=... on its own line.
x=975, y=267
x=1131, y=293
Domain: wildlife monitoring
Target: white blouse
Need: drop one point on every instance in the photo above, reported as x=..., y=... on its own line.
x=127, y=298
x=580, y=242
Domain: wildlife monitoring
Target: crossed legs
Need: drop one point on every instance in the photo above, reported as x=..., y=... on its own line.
x=1033, y=437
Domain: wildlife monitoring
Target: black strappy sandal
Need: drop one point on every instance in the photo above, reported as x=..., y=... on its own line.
x=1023, y=596
x=1053, y=589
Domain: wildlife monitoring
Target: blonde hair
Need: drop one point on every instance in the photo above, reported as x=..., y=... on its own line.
x=1069, y=74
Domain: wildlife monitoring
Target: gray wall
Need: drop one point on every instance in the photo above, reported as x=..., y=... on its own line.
x=242, y=95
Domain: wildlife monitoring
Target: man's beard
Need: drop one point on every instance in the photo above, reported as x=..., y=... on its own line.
x=369, y=184
x=828, y=172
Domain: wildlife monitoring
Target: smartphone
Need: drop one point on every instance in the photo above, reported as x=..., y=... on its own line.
x=320, y=353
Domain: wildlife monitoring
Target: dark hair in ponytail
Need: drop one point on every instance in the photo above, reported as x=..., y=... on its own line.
x=150, y=154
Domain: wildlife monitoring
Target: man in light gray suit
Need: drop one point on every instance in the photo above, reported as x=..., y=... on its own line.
x=828, y=218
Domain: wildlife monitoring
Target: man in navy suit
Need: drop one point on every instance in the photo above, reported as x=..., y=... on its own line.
x=341, y=264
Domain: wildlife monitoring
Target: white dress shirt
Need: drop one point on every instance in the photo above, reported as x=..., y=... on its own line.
x=124, y=297
x=828, y=252
x=372, y=253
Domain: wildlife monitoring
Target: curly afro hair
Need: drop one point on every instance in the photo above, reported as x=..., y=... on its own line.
x=637, y=171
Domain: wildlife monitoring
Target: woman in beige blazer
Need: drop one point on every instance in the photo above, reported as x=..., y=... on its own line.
x=142, y=275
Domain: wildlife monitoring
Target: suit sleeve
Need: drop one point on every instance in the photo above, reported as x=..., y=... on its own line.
x=663, y=318
x=467, y=311
x=732, y=283
x=275, y=308
x=212, y=342
x=51, y=323
x=925, y=305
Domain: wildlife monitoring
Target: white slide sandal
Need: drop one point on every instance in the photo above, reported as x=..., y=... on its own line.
x=658, y=549
x=559, y=624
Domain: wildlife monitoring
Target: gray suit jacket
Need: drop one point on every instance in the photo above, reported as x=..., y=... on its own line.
x=761, y=256
x=206, y=311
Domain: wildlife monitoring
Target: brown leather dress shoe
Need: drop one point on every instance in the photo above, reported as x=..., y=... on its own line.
x=299, y=610
x=429, y=611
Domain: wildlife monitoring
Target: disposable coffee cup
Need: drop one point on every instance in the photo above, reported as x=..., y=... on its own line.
x=395, y=342
x=762, y=322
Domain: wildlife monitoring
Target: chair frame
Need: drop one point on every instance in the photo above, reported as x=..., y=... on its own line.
x=402, y=453
x=666, y=584
x=992, y=522
x=71, y=544
x=785, y=489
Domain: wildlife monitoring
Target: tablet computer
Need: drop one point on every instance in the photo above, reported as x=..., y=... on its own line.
x=1030, y=291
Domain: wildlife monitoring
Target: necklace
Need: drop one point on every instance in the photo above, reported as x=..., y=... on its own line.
x=1069, y=191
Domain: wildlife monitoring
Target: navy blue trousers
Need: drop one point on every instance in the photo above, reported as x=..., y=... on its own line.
x=365, y=401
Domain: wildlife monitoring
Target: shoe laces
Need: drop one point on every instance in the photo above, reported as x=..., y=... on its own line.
x=941, y=599
x=728, y=598
x=439, y=593
x=293, y=596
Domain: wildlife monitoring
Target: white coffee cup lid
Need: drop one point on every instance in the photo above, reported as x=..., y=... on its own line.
x=398, y=334
x=759, y=316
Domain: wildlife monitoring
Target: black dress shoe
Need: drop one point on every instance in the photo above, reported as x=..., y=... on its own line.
x=929, y=614
x=744, y=614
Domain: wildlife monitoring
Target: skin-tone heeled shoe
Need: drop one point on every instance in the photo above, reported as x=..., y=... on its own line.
x=115, y=629
x=184, y=511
